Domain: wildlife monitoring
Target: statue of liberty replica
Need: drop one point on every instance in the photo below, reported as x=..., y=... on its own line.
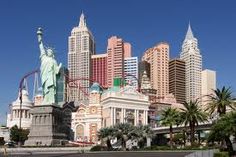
x=49, y=69
x=47, y=126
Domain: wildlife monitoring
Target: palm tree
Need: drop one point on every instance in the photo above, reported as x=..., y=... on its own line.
x=124, y=132
x=142, y=133
x=105, y=134
x=220, y=101
x=223, y=129
x=191, y=115
x=170, y=117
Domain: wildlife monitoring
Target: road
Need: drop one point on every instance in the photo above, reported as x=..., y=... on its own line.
x=105, y=154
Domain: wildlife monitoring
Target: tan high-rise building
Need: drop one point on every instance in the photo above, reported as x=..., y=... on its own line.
x=177, y=79
x=115, y=58
x=193, y=66
x=208, y=84
x=81, y=47
x=127, y=50
x=158, y=57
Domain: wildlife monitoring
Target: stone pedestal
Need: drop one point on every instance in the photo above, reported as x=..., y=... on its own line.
x=47, y=126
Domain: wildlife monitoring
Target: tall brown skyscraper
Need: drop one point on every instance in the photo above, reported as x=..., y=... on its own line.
x=158, y=57
x=177, y=79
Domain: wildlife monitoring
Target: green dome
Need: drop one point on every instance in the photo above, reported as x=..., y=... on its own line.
x=96, y=88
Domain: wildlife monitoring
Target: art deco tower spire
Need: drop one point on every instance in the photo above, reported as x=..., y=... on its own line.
x=189, y=34
x=82, y=22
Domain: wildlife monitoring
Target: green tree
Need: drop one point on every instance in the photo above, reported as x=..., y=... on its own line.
x=18, y=135
x=142, y=132
x=124, y=132
x=179, y=138
x=223, y=129
x=220, y=101
x=105, y=134
x=170, y=117
x=191, y=115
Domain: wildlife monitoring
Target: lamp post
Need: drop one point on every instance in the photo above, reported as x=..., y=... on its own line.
x=20, y=97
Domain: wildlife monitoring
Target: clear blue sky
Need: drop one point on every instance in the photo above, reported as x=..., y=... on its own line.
x=143, y=23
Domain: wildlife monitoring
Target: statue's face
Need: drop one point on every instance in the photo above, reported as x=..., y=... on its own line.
x=50, y=53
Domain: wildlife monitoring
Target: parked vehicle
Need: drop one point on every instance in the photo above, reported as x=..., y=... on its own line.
x=10, y=144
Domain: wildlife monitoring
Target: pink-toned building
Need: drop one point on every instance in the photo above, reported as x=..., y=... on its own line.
x=115, y=59
x=127, y=50
x=99, y=66
x=158, y=58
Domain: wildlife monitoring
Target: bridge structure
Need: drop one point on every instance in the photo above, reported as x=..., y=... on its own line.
x=178, y=129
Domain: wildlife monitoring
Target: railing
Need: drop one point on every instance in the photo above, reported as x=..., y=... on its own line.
x=203, y=153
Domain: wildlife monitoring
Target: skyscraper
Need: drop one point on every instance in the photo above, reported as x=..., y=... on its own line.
x=115, y=59
x=158, y=57
x=177, y=79
x=127, y=50
x=99, y=64
x=81, y=46
x=131, y=70
x=145, y=87
x=143, y=66
x=193, y=66
x=208, y=84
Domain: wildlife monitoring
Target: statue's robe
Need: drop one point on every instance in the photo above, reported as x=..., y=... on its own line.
x=49, y=69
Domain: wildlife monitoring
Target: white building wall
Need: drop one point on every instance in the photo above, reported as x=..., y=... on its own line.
x=13, y=118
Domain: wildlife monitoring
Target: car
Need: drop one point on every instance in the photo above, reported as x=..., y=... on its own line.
x=10, y=144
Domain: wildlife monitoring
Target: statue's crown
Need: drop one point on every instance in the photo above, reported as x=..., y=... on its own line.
x=51, y=48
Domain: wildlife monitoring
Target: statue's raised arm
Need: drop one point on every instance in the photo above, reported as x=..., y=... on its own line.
x=40, y=40
x=48, y=71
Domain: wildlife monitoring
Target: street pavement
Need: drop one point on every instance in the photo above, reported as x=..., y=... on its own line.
x=103, y=154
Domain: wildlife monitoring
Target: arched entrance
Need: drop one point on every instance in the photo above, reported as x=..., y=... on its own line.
x=80, y=132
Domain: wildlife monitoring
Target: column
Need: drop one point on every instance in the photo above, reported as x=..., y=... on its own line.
x=36, y=119
x=135, y=117
x=122, y=115
x=114, y=111
x=146, y=118
x=111, y=116
x=24, y=113
x=13, y=114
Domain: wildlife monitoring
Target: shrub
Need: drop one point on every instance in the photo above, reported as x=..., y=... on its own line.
x=158, y=148
x=2, y=142
x=134, y=148
x=98, y=148
x=221, y=154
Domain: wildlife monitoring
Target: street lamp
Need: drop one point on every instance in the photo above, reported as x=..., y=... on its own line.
x=20, y=96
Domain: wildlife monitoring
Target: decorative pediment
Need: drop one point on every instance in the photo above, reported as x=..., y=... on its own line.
x=130, y=90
